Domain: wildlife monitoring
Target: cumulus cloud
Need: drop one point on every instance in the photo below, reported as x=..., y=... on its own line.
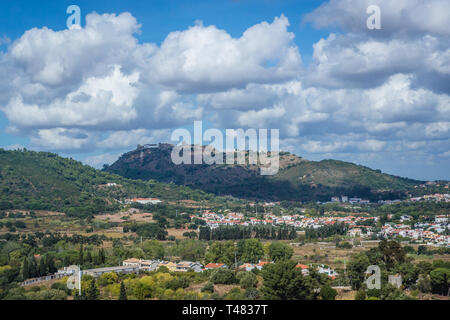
x=62, y=139
x=365, y=94
x=203, y=59
x=398, y=17
x=106, y=101
x=100, y=78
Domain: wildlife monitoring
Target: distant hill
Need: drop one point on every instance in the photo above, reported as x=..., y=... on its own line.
x=46, y=181
x=297, y=180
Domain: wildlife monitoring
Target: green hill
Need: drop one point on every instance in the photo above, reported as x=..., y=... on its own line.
x=298, y=179
x=46, y=181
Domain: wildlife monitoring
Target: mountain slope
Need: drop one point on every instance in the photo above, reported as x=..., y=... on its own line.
x=46, y=181
x=298, y=179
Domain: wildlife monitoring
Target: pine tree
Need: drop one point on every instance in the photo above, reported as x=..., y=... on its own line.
x=123, y=292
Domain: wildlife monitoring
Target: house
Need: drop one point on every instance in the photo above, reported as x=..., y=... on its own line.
x=304, y=268
x=131, y=262
x=355, y=232
x=184, y=266
x=355, y=200
x=247, y=267
x=169, y=265
x=328, y=271
x=441, y=219
x=149, y=265
x=111, y=184
x=210, y=266
x=261, y=264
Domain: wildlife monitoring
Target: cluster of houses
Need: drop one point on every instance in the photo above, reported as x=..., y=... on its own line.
x=445, y=197
x=152, y=265
x=184, y=266
x=345, y=199
x=214, y=220
x=430, y=233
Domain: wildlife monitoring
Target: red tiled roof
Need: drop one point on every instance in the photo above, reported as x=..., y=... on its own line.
x=214, y=265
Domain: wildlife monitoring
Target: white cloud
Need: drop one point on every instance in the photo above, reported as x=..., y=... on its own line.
x=397, y=17
x=204, y=59
x=61, y=139
x=364, y=94
x=99, y=101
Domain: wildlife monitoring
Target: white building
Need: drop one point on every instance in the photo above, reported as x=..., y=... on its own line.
x=145, y=200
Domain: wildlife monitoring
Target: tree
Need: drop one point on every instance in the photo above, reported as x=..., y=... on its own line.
x=392, y=253
x=92, y=292
x=356, y=270
x=247, y=280
x=280, y=251
x=424, y=284
x=440, y=280
x=223, y=252
x=25, y=269
x=327, y=292
x=223, y=276
x=153, y=249
x=283, y=281
x=42, y=267
x=101, y=255
x=250, y=250
x=361, y=294
x=123, y=292
x=81, y=256
x=422, y=250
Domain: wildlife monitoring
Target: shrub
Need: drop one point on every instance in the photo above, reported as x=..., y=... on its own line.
x=248, y=280
x=223, y=276
x=209, y=287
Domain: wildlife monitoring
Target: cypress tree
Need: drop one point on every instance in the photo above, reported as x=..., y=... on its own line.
x=81, y=256
x=51, y=268
x=89, y=257
x=25, y=269
x=32, y=267
x=42, y=270
x=102, y=256
x=92, y=293
x=123, y=292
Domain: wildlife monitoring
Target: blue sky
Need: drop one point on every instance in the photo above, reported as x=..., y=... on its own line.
x=310, y=68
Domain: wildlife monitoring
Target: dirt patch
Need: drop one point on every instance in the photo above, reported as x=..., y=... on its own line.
x=125, y=216
x=223, y=289
x=178, y=233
